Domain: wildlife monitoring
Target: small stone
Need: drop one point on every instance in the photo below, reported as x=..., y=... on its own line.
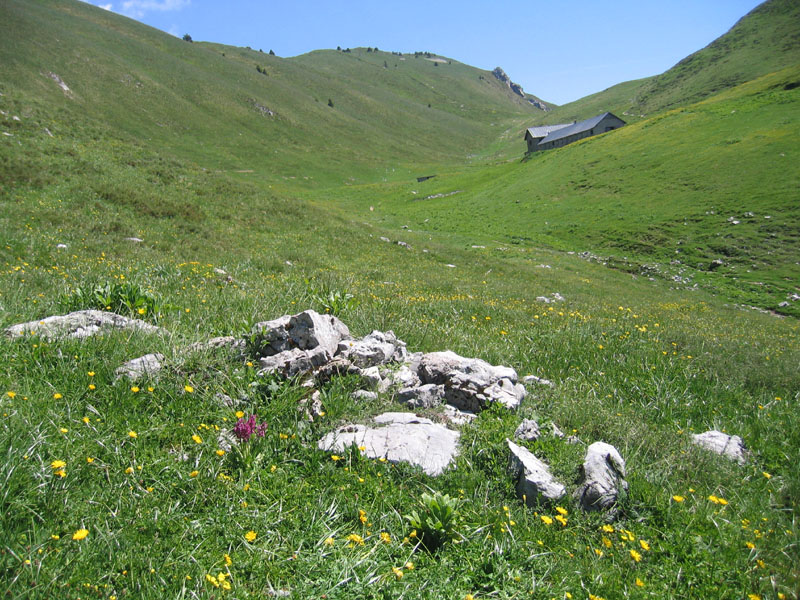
x=145, y=366
x=424, y=396
x=533, y=379
x=528, y=431
x=364, y=396
x=730, y=446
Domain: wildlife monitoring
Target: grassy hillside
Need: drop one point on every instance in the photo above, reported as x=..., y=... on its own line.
x=644, y=198
x=765, y=40
x=115, y=489
x=135, y=81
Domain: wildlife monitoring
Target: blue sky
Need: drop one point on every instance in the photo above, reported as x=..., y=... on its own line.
x=559, y=51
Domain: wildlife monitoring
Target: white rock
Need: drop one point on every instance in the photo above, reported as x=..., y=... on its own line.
x=145, y=366
x=79, y=324
x=730, y=446
x=533, y=379
x=534, y=481
x=374, y=349
x=527, y=431
x=602, y=478
x=424, y=396
x=401, y=437
x=457, y=417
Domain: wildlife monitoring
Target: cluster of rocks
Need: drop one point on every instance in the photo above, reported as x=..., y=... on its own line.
x=321, y=345
x=601, y=480
x=317, y=347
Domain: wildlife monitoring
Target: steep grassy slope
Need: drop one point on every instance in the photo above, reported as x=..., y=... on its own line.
x=767, y=39
x=179, y=97
x=716, y=180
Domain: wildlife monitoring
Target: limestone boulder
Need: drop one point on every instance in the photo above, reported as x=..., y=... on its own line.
x=375, y=349
x=534, y=482
x=436, y=367
x=307, y=330
x=729, y=446
x=145, y=366
x=602, y=478
x=399, y=437
x=79, y=324
x=424, y=396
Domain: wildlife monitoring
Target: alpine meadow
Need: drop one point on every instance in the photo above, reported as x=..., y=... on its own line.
x=291, y=246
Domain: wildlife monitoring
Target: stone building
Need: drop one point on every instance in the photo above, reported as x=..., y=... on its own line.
x=555, y=136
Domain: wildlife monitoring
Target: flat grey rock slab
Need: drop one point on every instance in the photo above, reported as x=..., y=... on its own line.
x=399, y=437
x=729, y=446
x=79, y=324
x=145, y=366
x=534, y=481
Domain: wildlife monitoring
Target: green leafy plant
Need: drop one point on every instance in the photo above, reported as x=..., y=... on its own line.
x=331, y=301
x=120, y=297
x=435, y=523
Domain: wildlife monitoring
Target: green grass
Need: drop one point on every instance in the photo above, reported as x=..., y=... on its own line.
x=645, y=199
x=638, y=363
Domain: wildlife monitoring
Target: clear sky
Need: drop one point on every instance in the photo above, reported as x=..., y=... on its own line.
x=557, y=50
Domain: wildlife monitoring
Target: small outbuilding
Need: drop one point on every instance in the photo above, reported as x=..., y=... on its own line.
x=555, y=136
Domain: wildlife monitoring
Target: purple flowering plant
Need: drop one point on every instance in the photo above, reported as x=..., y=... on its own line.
x=244, y=430
x=247, y=453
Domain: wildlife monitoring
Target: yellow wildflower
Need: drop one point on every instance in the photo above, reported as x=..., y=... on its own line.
x=228, y=560
x=58, y=464
x=329, y=541
x=135, y=389
x=397, y=572
x=639, y=582
x=11, y=394
x=220, y=452
x=386, y=538
x=562, y=511
x=354, y=538
x=188, y=389
x=678, y=498
x=133, y=434
x=250, y=536
x=80, y=534
x=635, y=555
x=57, y=396
x=194, y=474
x=645, y=546
x=197, y=439
x=546, y=520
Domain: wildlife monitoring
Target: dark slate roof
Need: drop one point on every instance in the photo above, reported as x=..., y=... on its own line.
x=578, y=127
x=544, y=130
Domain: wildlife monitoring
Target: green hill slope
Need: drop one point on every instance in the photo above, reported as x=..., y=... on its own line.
x=229, y=108
x=716, y=180
x=765, y=40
